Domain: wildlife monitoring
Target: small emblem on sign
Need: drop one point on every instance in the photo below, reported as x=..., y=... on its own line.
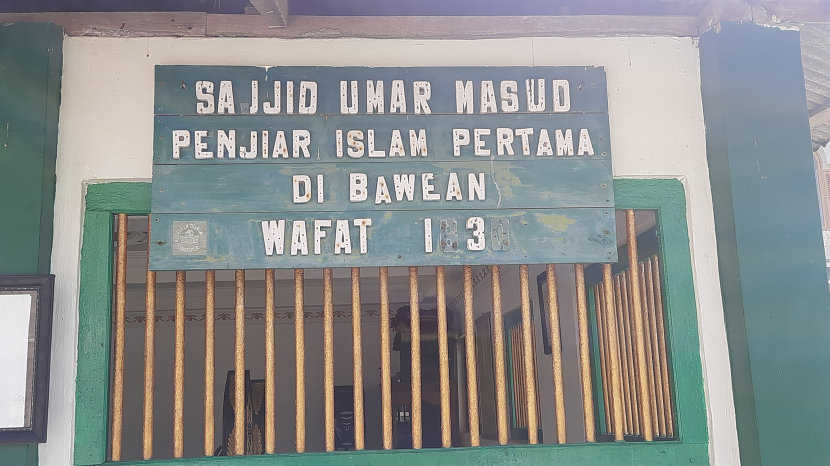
x=190, y=238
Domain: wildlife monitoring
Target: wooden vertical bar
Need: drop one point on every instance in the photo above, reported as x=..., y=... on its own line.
x=178, y=356
x=120, y=308
x=270, y=395
x=605, y=372
x=556, y=353
x=149, y=352
x=239, y=366
x=584, y=354
x=661, y=340
x=470, y=343
x=498, y=356
x=385, y=356
x=357, y=361
x=649, y=354
x=415, y=325
x=210, y=358
x=530, y=369
x=637, y=402
x=614, y=350
x=299, y=359
x=443, y=358
x=655, y=350
x=639, y=327
x=624, y=357
x=328, y=356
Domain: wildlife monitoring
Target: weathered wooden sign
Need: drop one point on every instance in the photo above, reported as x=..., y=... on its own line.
x=289, y=167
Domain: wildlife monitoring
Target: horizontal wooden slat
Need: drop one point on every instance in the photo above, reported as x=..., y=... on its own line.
x=452, y=27
x=395, y=238
x=523, y=183
x=176, y=95
x=144, y=24
x=322, y=144
x=119, y=24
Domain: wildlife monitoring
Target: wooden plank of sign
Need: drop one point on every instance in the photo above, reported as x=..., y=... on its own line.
x=438, y=131
x=275, y=187
x=175, y=90
x=394, y=238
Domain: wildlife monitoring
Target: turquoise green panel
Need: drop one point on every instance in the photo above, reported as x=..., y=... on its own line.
x=393, y=238
x=668, y=198
x=94, y=330
x=597, y=454
x=176, y=86
x=378, y=147
x=269, y=188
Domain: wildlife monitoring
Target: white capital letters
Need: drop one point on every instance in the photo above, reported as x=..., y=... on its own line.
x=308, y=93
x=357, y=187
x=299, y=241
x=345, y=108
x=204, y=94
x=382, y=192
x=225, y=104
x=422, y=92
x=404, y=185
x=536, y=104
x=585, y=146
x=374, y=96
x=200, y=147
x=488, y=98
x=244, y=153
x=302, y=139
x=181, y=138
x=266, y=106
x=320, y=234
x=303, y=181
x=564, y=144
x=342, y=237
x=475, y=187
x=426, y=188
x=418, y=143
x=478, y=144
x=273, y=233
x=504, y=141
x=509, y=98
x=460, y=137
x=362, y=223
x=561, y=95
x=463, y=97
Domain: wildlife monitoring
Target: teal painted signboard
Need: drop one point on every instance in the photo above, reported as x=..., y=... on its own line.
x=291, y=167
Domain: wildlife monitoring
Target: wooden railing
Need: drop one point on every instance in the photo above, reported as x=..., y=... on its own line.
x=634, y=369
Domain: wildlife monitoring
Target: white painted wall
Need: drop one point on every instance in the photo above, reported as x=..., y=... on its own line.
x=657, y=130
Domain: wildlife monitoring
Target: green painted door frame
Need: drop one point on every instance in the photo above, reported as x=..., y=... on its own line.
x=667, y=197
x=31, y=59
x=770, y=249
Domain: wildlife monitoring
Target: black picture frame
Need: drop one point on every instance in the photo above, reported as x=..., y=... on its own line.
x=38, y=378
x=541, y=284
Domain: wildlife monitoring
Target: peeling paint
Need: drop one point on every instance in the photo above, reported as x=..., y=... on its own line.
x=557, y=222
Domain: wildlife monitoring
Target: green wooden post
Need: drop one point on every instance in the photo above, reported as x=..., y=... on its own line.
x=31, y=57
x=770, y=251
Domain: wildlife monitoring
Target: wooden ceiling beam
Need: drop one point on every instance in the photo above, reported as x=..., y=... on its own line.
x=137, y=24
